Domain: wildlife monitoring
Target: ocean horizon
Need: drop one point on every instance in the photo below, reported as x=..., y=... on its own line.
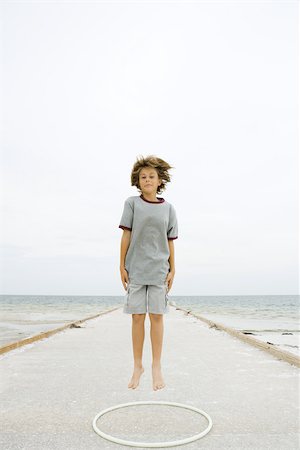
x=270, y=318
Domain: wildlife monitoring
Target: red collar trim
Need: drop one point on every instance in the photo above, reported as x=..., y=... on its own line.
x=161, y=200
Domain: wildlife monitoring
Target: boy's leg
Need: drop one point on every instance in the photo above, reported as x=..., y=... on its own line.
x=138, y=335
x=157, y=307
x=136, y=305
x=156, y=332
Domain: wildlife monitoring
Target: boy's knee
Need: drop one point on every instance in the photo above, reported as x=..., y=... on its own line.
x=138, y=317
x=155, y=316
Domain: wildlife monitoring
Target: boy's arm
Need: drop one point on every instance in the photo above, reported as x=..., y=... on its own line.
x=125, y=241
x=172, y=255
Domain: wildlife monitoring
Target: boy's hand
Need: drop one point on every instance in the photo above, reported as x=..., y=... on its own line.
x=124, y=277
x=170, y=278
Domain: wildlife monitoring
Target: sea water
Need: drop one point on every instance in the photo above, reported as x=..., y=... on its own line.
x=271, y=318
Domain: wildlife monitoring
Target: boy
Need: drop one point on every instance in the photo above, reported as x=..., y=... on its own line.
x=147, y=263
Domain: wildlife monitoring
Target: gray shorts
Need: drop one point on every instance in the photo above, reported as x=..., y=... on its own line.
x=137, y=295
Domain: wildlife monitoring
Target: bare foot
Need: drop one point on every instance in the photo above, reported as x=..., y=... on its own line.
x=134, y=382
x=158, y=382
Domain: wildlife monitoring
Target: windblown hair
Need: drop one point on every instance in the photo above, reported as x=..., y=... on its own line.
x=159, y=164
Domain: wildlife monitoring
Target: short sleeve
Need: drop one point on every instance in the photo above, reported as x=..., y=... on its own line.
x=127, y=216
x=173, y=225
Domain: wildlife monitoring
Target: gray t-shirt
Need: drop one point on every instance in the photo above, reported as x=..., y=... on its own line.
x=151, y=225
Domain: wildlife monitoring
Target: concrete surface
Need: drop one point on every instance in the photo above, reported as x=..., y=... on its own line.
x=52, y=389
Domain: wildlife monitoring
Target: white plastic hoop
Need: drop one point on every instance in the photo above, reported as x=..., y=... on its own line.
x=152, y=444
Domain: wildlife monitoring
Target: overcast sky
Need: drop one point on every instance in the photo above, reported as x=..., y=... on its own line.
x=211, y=87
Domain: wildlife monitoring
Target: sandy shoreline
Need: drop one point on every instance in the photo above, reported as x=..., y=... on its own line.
x=251, y=340
x=45, y=334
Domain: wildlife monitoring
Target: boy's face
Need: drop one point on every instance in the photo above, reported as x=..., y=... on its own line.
x=149, y=181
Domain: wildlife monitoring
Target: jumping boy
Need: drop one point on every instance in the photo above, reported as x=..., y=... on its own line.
x=147, y=264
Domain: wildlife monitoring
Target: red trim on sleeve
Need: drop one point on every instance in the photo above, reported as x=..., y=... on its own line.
x=169, y=238
x=124, y=228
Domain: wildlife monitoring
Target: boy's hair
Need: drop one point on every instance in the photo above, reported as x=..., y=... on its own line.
x=159, y=164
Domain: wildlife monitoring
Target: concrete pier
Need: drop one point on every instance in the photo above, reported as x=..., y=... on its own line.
x=52, y=389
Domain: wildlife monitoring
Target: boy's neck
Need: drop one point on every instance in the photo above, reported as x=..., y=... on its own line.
x=150, y=198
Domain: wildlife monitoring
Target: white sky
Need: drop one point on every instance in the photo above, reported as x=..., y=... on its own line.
x=211, y=87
